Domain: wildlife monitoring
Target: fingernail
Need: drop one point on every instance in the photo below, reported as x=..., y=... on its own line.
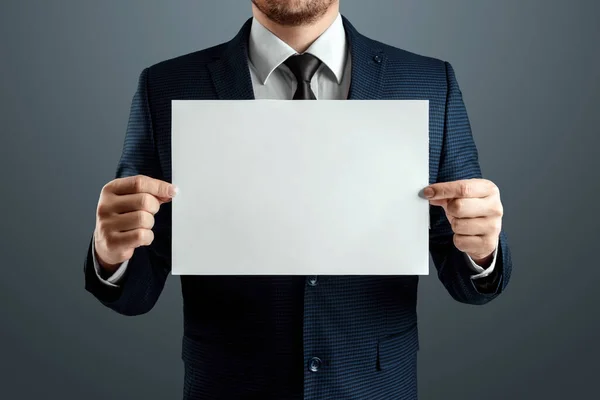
x=428, y=192
x=173, y=190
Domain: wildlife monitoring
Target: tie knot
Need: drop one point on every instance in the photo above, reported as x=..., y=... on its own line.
x=303, y=66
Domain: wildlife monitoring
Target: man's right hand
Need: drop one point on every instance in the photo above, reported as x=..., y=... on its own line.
x=125, y=217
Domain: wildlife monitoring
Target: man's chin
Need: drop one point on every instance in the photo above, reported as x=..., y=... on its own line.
x=287, y=16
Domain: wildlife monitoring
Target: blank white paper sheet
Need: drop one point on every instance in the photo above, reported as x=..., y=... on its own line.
x=271, y=187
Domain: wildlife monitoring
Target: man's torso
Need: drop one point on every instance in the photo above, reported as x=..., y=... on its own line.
x=245, y=336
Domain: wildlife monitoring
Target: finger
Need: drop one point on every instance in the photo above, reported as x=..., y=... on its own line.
x=136, y=202
x=133, y=220
x=478, y=245
x=476, y=226
x=468, y=188
x=439, y=203
x=143, y=184
x=472, y=208
x=135, y=238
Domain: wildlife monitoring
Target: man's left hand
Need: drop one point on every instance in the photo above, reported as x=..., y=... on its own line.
x=474, y=210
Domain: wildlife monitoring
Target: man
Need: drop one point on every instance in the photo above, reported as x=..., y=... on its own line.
x=294, y=337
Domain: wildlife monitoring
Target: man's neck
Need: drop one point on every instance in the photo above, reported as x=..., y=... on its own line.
x=300, y=37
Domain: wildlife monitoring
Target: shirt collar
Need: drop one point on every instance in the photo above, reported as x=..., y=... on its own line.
x=267, y=52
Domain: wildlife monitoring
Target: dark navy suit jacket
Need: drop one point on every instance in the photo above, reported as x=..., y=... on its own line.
x=249, y=337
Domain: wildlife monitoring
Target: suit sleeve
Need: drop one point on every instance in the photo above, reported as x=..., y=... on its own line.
x=147, y=270
x=459, y=160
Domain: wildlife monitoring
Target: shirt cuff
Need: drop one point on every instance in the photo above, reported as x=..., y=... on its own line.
x=481, y=272
x=115, y=278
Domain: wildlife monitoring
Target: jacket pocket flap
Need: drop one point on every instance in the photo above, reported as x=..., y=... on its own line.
x=397, y=349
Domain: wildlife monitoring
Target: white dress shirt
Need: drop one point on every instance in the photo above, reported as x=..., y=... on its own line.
x=271, y=79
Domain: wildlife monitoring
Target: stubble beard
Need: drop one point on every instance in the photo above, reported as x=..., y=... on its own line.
x=293, y=12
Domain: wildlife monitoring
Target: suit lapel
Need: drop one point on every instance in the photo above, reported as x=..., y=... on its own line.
x=230, y=72
x=231, y=75
x=368, y=66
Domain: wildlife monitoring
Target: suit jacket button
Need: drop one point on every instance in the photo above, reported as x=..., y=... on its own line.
x=315, y=364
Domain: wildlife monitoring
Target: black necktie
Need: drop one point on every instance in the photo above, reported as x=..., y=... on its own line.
x=303, y=67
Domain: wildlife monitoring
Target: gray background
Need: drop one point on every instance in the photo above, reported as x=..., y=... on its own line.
x=530, y=74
